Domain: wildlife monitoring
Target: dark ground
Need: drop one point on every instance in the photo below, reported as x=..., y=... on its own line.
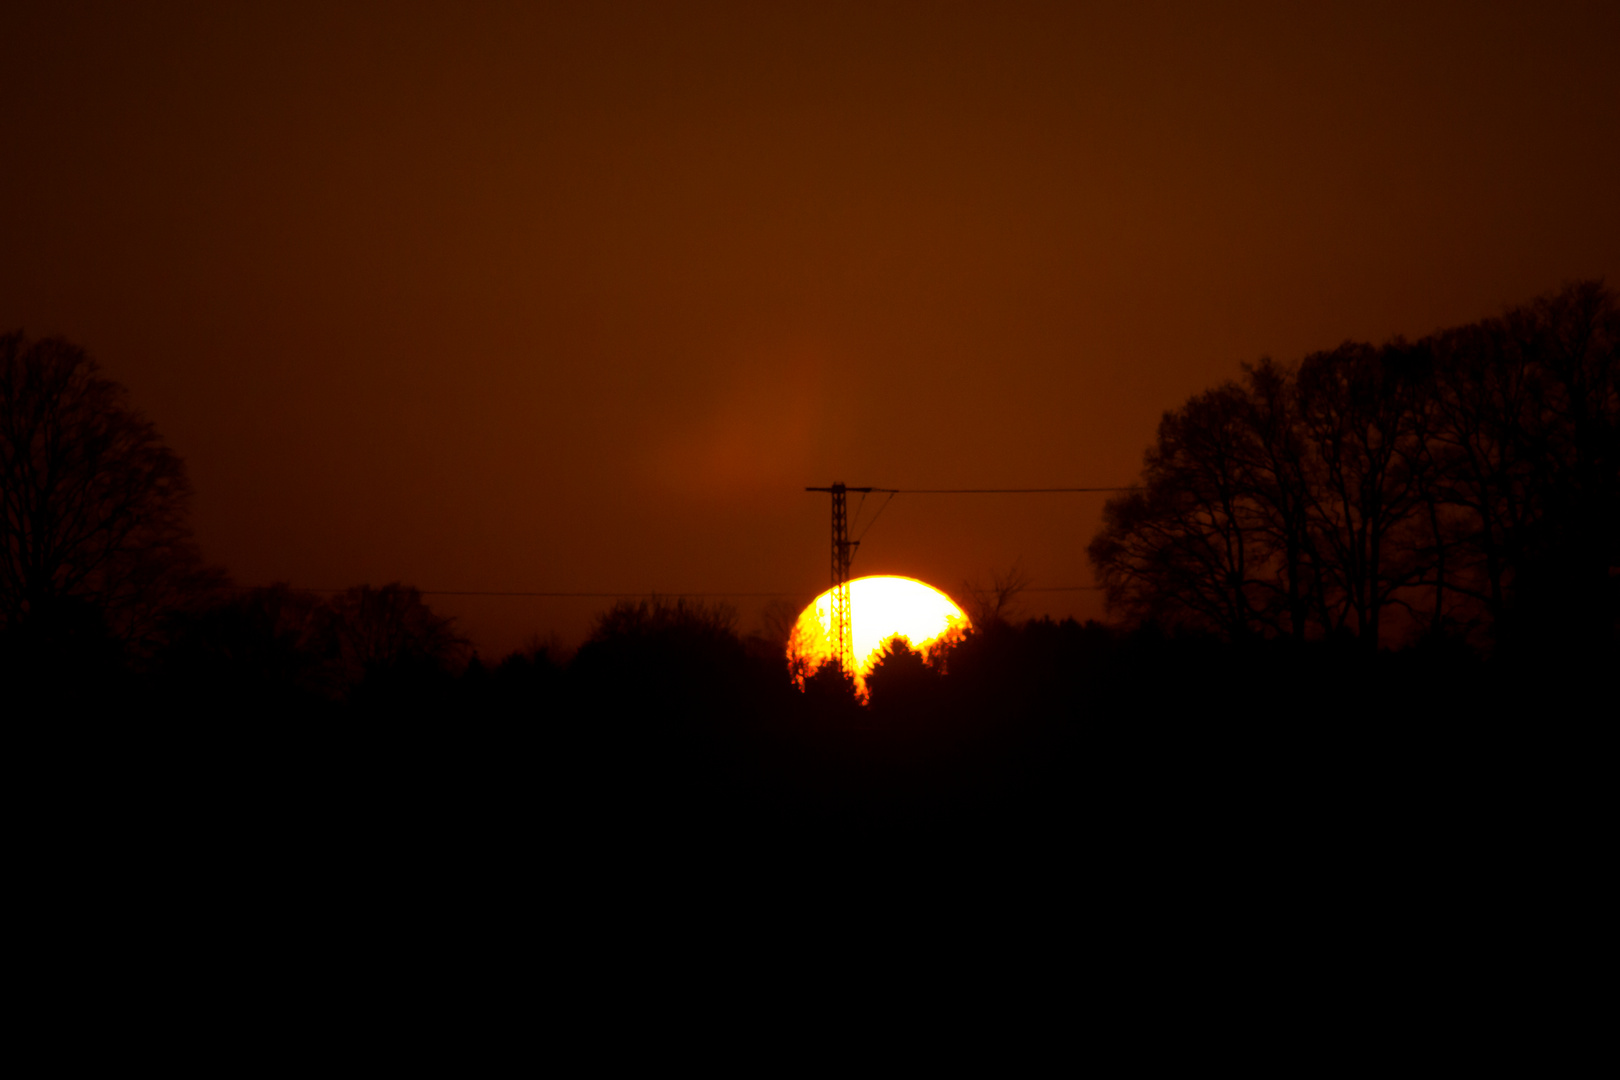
x=1061, y=759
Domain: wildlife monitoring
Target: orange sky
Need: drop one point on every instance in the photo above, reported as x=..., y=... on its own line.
x=483, y=297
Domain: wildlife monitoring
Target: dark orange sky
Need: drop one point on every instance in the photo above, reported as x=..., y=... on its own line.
x=580, y=297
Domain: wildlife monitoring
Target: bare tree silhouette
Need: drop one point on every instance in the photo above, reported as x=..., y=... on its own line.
x=778, y=620
x=997, y=602
x=1359, y=409
x=1469, y=479
x=92, y=503
x=1188, y=545
x=1527, y=436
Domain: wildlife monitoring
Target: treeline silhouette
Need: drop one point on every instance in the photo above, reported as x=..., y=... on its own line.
x=669, y=731
x=1463, y=486
x=1239, y=721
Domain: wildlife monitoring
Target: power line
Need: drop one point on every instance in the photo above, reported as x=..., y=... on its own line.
x=972, y=491
x=891, y=492
x=512, y=592
x=875, y=516
x=659, y=592
x=595, y=595
x=612, y=595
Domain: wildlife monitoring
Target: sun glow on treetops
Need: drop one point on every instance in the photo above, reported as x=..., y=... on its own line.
x=880, y=608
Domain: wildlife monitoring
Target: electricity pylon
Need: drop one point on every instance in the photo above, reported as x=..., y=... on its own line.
x=843, y=553
x=843, y=549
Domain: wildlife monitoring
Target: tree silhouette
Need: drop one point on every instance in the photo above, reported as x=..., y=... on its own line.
x=1273, y=460
x=997, y=602
x=1359, y=407
x=1528, y=439
x=263, y=648
x=901, y=683
x=388, y=637
x=92, y=503
x=1187, y=545
x=1469, y=479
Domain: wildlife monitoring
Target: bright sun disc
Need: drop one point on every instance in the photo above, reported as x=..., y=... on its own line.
x=880, y=608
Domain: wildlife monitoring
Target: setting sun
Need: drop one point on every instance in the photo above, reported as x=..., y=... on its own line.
x=880, y=608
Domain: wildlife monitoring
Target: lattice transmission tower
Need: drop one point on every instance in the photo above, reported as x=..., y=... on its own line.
x=843, y=553
x=843, y=549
